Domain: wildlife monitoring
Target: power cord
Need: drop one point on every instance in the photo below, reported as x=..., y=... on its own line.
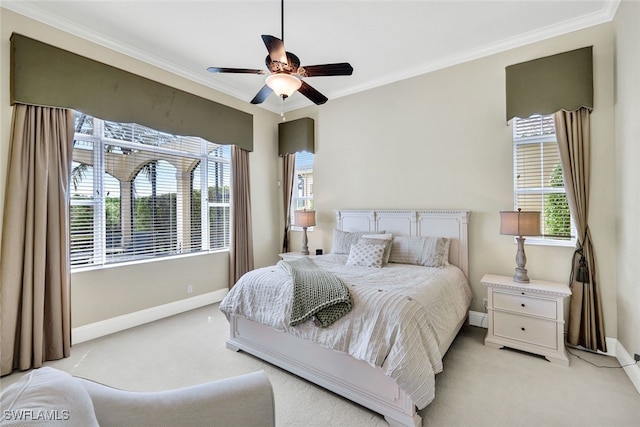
x=601, y=366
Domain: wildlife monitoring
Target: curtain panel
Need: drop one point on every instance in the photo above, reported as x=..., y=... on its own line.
x=288, y=179
x=586, y=322
x=42, y=74
x=34, y=264
x=241, y=248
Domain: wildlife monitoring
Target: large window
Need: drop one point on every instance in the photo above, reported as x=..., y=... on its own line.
x=137, y=193
x=302, y=197
x=538, y=183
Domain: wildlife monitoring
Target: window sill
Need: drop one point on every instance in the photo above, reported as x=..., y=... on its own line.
x=143, y=261
x=548, y=242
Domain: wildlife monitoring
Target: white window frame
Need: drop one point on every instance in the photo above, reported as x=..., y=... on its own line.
x=538, y=240
x=99, y=258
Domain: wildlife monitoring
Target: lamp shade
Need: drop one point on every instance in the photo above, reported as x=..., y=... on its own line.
x=283, y=84
x=305, y=218
x=520, y=223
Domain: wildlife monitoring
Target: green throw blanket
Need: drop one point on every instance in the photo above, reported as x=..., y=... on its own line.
x=316, y=293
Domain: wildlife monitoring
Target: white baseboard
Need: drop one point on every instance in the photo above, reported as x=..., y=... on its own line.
x=614, y=349
x=478, y=319
x=126, y=321
x=632, y=371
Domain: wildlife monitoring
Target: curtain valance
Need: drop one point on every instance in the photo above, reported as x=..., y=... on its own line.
x=553, y=83
x=296, y=135
x=45, y=75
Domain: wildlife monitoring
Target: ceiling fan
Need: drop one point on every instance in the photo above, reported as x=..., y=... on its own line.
x=286, y=73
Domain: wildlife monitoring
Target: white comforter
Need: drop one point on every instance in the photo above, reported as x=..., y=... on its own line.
x=401, y=315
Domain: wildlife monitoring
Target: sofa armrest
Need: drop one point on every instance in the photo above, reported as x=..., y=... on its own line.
x=245, y=400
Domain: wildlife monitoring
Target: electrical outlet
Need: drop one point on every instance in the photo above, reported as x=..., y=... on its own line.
x=485, y=303
x=636, y=357
x=189, y=289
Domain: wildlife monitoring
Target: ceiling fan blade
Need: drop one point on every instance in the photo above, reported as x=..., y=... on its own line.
x=262, y=95
x=338, y=69
x=313, y=95
x=234, y=70
x=275, y=46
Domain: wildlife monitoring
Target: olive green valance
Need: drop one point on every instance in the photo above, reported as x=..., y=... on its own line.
x=553, y=83
x=45, y=75
x=296, y=136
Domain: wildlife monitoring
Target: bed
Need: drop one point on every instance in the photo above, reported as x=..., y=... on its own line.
x=389, y=365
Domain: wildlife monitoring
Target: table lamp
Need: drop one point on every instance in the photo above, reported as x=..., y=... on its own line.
x=305, y=219
x=520, y=223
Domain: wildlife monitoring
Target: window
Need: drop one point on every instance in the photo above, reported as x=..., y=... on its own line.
x=137, y=193
x=538, y=183
x=302, y=197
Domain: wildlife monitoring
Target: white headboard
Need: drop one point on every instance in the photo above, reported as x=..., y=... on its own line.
x=440, y=223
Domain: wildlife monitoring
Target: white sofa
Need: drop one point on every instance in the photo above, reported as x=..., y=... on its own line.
x=48, y=396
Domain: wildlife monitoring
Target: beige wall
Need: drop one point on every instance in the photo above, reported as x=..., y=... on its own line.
x=627, y=26
x=104, y=293
x=440, y=140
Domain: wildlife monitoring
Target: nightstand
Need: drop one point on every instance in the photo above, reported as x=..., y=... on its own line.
x=527, y=316
x=288, y=256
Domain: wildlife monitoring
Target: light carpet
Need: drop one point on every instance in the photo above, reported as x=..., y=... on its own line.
x=480, y=386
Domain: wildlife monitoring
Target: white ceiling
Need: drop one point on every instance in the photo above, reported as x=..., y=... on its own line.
x=385, y=41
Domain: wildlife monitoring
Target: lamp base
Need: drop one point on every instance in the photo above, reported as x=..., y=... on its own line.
x=521, y=275
x=521, y=261
x=305, y=240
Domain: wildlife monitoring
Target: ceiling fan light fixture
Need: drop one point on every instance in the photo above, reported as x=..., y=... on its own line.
x=283, y=84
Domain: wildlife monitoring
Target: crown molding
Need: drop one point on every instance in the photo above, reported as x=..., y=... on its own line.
x=606, y=14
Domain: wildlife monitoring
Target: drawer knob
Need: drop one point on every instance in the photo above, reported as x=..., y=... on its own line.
x=522, y=329
x=522, y=305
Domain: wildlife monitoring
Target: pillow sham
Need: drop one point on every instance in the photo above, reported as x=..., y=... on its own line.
x=379, y=239
x=428, y=251
x=342, y=240
x=364, y=255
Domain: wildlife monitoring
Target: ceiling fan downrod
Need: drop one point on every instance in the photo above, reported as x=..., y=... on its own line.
x=282, y=20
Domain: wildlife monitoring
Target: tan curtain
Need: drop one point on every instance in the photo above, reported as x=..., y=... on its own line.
x=35, y=275
x=586, y=324
x=288, y=177
x=241, y=250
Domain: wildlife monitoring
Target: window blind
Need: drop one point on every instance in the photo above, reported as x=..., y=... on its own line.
x=139, y=193
x=538, y=182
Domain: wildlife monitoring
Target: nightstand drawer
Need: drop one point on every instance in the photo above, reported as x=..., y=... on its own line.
x=526, y=329
x=524, y=304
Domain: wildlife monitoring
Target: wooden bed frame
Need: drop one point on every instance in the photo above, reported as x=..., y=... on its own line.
x=339, y=372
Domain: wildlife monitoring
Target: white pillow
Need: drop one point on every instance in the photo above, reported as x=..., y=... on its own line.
x=427, y=251
x=47, y=394
x=379, y=239
x=364, y=255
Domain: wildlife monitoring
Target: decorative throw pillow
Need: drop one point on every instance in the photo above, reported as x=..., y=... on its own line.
x=427, y=251
x=364, y=255
x=47, y=394
x=342, y=240
x=379, y=239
